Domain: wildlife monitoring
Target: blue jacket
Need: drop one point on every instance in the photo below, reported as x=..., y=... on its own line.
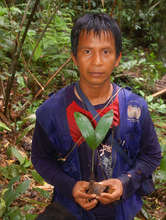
x=136, y=136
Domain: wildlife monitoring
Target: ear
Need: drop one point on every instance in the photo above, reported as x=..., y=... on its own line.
x=74, y=59
x=118, y=60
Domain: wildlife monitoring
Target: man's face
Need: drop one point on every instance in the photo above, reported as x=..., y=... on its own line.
x=96, y=57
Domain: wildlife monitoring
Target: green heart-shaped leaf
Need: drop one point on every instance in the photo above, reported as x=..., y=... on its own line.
x=94, y=137
x=103, y=127
x=86, y=129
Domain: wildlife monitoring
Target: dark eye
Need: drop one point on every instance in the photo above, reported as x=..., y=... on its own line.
x=87, y=51
x=106, y=51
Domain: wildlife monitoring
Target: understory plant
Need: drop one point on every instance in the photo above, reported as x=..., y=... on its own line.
x=8, y=211
x=93, y=137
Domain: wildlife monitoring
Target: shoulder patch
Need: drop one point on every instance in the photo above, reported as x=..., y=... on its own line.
x=133, y=112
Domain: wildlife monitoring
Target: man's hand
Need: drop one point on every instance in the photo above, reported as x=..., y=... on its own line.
x=85, y=200
x=114, y=192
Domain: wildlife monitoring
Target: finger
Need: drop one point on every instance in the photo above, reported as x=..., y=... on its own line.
x=105, y=197
x=90, y=205
x=115, y=194
x=104, y=183
x=105, y=201
x=85, y=186
x=86, y=195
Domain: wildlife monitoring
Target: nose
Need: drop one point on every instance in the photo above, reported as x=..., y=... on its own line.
x=97, y=59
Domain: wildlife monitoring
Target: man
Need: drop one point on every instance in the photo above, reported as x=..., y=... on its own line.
x=61, y=155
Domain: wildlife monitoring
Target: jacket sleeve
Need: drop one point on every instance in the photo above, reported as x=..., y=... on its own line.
x=44, y=160
x=147, y=160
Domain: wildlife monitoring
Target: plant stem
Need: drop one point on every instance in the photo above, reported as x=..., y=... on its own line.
x=92, y=177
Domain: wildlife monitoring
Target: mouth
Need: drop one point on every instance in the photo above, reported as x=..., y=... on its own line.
x=96, y=73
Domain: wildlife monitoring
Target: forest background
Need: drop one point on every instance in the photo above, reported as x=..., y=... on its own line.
x=35, y=61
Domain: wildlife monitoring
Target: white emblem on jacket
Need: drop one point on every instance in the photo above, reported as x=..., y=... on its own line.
x=133, y=112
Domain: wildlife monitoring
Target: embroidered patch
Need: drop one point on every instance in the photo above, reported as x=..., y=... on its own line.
x=105, y=157
x=134, y=112
x=105, y=148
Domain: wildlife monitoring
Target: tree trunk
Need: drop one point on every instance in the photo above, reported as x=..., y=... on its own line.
x=16, y=55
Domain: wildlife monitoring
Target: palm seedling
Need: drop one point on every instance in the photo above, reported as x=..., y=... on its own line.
x=93, y=137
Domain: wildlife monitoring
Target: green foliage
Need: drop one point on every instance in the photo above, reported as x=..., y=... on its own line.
x=45, y=194
x=103, y=127
x=94, y=137
x=2, y=207
x=140, y=21
x=7, y=34
x=162, y=164
x=54, y=48
x=156, y=105
x=9, y=195
x=86, y=129
x=3, y=127
x=163, y=161
x=28, y=123
x=24, y=162
x=145, y=65
x=37, y=177
x=160, y=174
x=14, y=170
x=26, y=131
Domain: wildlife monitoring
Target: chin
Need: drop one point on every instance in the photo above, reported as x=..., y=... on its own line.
x=99, y=82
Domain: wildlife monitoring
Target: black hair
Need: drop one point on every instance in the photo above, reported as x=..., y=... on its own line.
x=96, y=22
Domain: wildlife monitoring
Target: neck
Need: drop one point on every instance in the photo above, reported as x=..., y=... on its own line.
x=96, y=94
